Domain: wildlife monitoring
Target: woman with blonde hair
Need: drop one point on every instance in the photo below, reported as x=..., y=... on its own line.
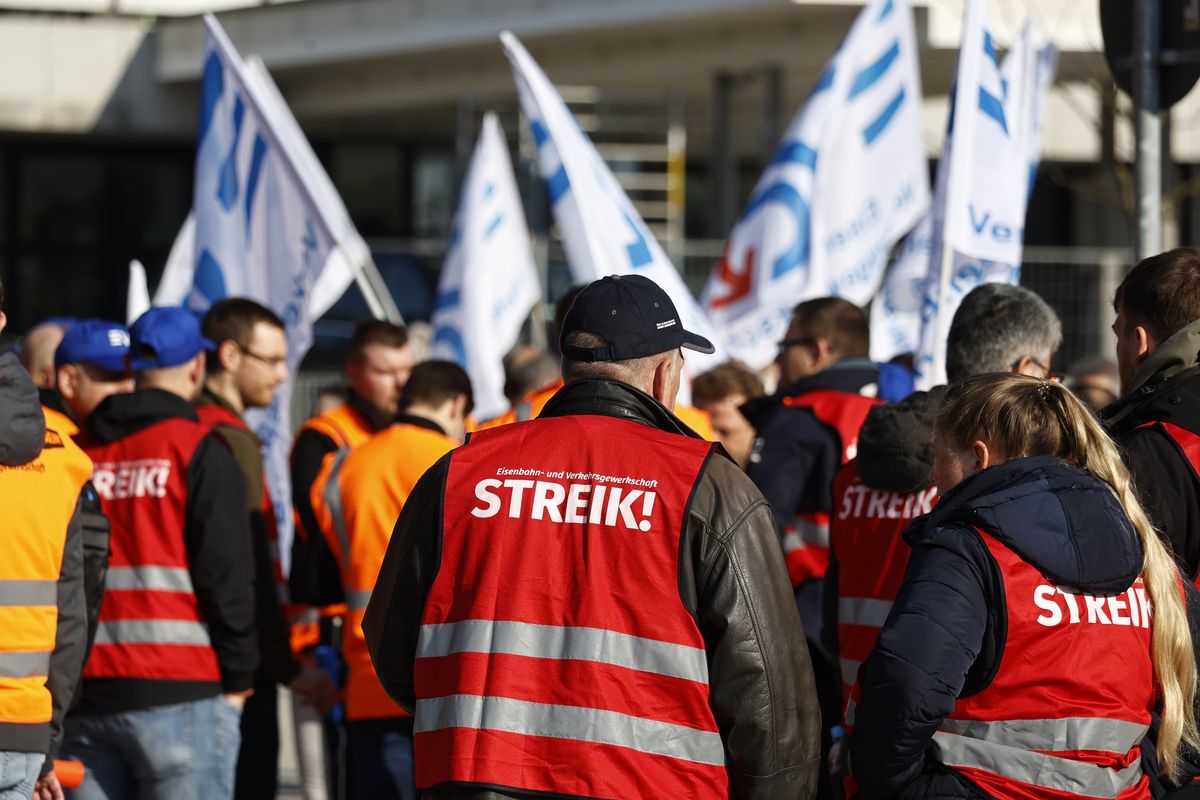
x=1042, y=627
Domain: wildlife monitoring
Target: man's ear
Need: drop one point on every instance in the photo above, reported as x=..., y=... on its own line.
x=1146, y=343
x=229, y=355
x=66, y=379
x=3, y=320
x=459, y=409
x=824, y=353
x=196, y=374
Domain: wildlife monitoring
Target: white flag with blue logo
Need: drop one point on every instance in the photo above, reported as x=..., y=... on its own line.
x=601, y=230
x=988, y=161
x=489, y=279
x=848, y=180
x=259, y=229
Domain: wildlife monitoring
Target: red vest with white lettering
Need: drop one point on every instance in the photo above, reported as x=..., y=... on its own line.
x=806, y=541
x=556, y=654
x=212, y=415
x=871, y=557
x=1066, y=712
x=150, y=624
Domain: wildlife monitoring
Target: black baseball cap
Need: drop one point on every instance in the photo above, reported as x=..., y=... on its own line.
x=633, y=314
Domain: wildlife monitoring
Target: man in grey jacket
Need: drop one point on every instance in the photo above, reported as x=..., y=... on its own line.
x=720, y=588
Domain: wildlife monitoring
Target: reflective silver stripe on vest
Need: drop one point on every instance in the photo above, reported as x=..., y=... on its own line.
x=29, y=664
x=1069, y=733
x=333, y=501
x=851, y=710
x=805, y=533
x=523, y=412
x=1036, y=769
x=151, y=631
x=150, y=578
x=849, y=669
x=309, y=615
x=863, y=611
x=569, y=643
x=356, y=600
x=569, y=722
x=28, y=593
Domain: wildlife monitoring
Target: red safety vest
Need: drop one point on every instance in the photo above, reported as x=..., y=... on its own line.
x=150, y=623
x=212, y=415
x=1066, y=712
x=555, y=652
x=806, y=540
x=865, y=537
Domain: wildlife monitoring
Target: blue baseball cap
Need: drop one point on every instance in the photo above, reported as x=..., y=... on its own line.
x=164, y=337
x=94, y=341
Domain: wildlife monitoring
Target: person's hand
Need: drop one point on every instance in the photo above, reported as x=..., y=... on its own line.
x=315, y=686
x=48, y=788
x=238, y=699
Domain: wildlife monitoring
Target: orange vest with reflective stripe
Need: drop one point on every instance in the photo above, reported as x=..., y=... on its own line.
x=556, y=654
x=864, y=534
x=697, y=420
x=1065, y=714
x=37, y=500
x=357, y=498
x=806, y=540
x=150, y=622
x=348, y=429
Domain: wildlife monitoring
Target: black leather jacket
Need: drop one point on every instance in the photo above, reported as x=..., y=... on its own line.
x=732, y=577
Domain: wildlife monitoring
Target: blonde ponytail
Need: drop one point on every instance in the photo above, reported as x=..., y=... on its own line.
x=1021, y=416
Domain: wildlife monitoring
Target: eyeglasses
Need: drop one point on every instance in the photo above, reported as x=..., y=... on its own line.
x=1047, y=373
x=269, y=361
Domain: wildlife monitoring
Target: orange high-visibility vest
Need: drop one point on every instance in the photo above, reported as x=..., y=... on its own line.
x=357, y=498
x=38, y=500
x=348, y=429
x=527, y=409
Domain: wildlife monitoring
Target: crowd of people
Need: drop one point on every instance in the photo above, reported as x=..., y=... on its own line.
x=813, y=582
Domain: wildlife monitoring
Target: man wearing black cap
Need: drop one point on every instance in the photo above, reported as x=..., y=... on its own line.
x=175, y=651
x=593, y=603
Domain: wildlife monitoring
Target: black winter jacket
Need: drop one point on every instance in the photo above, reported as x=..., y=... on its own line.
x=945, y=635
x=1165, y=389
x=732, y=578
x=795, y=457
x=217, y=537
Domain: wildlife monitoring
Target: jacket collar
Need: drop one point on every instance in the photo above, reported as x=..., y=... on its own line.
x=1175, y=360
x=612, y=398
x=125, y=414
x=848, y=375
x=419, y=422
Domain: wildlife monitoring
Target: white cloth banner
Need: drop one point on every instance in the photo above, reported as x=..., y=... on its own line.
x=137, y=297
x=984, y=178
x=849, y=179
x=261, y=230
x=601, y=230
x=489, y=279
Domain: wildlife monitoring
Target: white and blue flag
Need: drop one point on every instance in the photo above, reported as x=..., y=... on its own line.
x=848, y=180
x=602, y=232
x=984, y=180
x=260, y=229
x=489, y=279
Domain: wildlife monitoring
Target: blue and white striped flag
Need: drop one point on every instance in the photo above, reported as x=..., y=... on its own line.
x=260, y=229
x=984, y=180
x=489, y=278
x=602, y=232
x=849, y=179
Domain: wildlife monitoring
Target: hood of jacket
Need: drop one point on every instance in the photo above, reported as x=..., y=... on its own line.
x=893, y=445
x=848, y=375
x=613, y=398
x=122, y=415
x=22, y=423
x=1060, y=519
x=1174, y=361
